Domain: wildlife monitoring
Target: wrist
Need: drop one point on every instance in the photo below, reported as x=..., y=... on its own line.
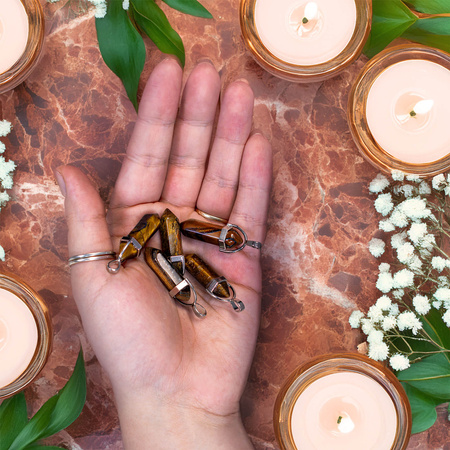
x=167, y=424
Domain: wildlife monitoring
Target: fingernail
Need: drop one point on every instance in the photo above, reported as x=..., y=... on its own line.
x=61, y=182
x=256, y=131
x=243, y=80
x=172, y=58
x=204, y=60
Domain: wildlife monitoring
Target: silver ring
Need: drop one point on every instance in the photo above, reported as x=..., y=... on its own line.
x=96, y=256
x=210, y=216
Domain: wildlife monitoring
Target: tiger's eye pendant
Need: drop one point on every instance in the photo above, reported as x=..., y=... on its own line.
x=217, y=286
x=171, y=245
x=132, y=244
x=179, y=288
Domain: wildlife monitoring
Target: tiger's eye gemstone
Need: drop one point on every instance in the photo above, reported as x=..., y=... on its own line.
x=209, y=232
x=166, y=273
x=142, y=232
x=171, y=238
x=204, y=274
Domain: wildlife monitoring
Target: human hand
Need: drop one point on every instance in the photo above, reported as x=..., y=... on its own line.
x=177, y=379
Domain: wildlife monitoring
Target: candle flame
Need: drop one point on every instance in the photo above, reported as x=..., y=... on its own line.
x=311, y=11
x=423, y=107
x=346, y=425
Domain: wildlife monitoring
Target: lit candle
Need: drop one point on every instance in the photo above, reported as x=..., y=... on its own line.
x=18, y=337
x=13, y=33
x=305, y=32
x=344, y=411
x=342, y=402
x=408, y=111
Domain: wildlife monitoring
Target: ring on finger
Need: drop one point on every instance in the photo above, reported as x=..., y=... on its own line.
x=86, y=257
x=210, y=216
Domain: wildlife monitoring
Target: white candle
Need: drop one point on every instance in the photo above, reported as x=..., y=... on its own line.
x=408, y=111
x=305, y=32
x=344, y=411
x=13, y=33
x=18, y=337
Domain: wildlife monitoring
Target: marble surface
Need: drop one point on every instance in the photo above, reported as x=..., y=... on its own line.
x=317, y=268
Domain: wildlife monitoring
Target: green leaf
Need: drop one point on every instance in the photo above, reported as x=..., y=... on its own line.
x=389, y=20
x=13, y=417
x=151, y=19
x=423, y=409
x=122, y=47
x=430, y=375
x=430, y=6
x=58, y=412
x=192, y=7
x=434, y=32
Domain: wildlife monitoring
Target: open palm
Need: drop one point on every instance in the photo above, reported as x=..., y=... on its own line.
x=148, y=343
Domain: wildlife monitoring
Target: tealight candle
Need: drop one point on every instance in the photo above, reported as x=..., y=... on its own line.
x=21, y=38
x=25, y=335
x=13, y=33
x=343, y=402
x=399, y=109
x=304, y=40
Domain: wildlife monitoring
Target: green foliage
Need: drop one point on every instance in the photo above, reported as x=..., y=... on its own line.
x=393, y=19
x=125, y=55
x=121, y=43
x=427, y=384
x=17, y=433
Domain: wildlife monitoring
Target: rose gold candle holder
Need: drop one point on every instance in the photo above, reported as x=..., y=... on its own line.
x=30, y=57
x=325, y=365
x=299, y=73
x=356, y=111
x=41, y=315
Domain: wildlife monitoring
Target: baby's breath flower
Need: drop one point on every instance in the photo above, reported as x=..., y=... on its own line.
x=403, y=278
x=438, y=182
x=421, y=304
x=386, y=226
x=438, y=263
x=397, y=175
x=384, y=267
x=126, y=4
x=417, y=231
x=398, y=293
x=2, y=147
x=5, y=128
x=383, y=204
x=415, y=263
x=447, y=190
x=394, y=310
x=424, y=188
x=407, y=320
x=376, y=247
x=436, y=304
x=366, y=325
x=2, y=253
x=385, y=282
x=415, y=208
x=375, y=314
x=399, y=362
x=384, y=303
x=446, y=317
x=398, y=240
x=414, y=178
x=405, y=253
x=408, y=190
x=398, y=218
x=443, y=281
x=389, y=322
x=378, y=352
x=375, y=337
x=355, y=319
x=100, y=8
x=378, y=184
x=442, y=294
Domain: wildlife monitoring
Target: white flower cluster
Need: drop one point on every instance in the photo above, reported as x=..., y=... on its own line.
x=6, y=171
x=101, y=6
x=410, y=208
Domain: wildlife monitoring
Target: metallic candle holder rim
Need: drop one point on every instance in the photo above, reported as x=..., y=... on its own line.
x=30, y=57
x=328, y=364
x=356, y=109
x=298, y=73
x=42, y=317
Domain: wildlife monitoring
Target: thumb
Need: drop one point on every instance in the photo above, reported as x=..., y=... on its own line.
x=85, y=216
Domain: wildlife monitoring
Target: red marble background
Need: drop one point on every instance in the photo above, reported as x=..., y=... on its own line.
x=72, y=109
